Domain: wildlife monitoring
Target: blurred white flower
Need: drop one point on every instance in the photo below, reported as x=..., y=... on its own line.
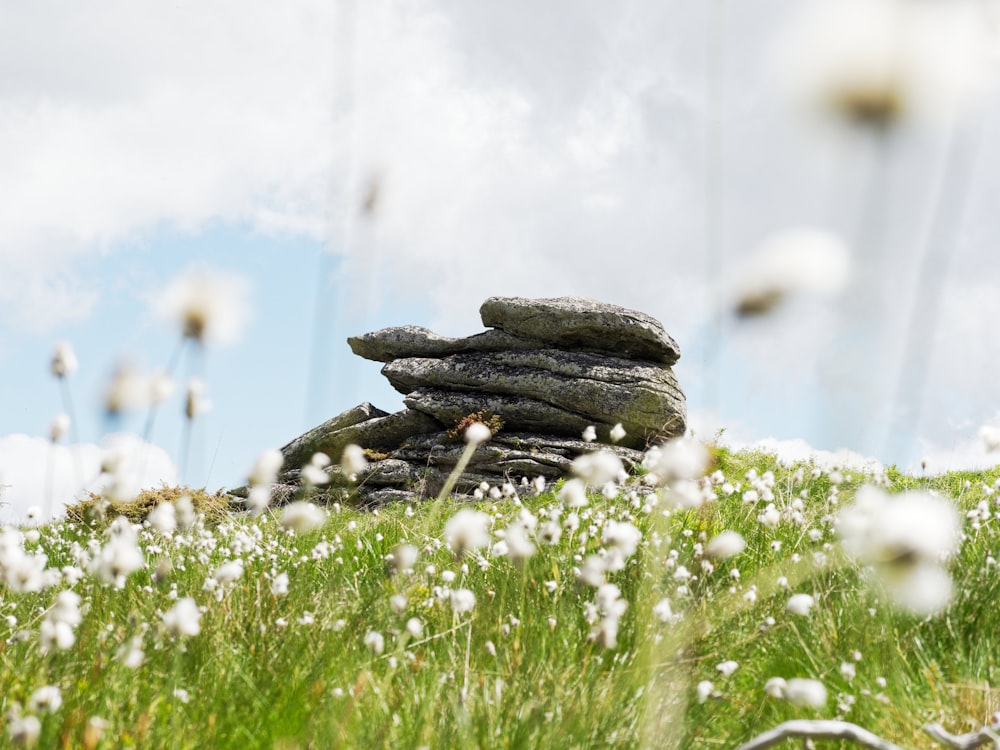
x=463, y=600
x=598, y=468
x=775, y=687
x=208, y=306
x=573, y=494
x=617, y=433
x=477, y=433
x=266, y=467
x=195, y=403
x=876, y=62
x=60, y=427
x=704, y=690
x=908, y=538
x=24, y=730
x=302, y=517
x=519, y=546
x=126, y=390
x=726, y=668
x=353, y=461
x=279, y=584
x=64, y=362
x=800, y=604
x=314, y=472
x=47, y=698
x=120, y=556
x=677, y=459
x=468, y=529
x=725, y=544
x=590, y=434
x=800, y=260
x=183, y=619
x=375, y=641
x=163, y=518
x=990, y=436
x=804, y=692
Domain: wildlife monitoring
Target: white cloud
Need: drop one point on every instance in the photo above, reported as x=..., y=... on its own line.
x=36, y=473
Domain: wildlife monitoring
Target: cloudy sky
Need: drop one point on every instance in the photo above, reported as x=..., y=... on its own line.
x=516, y=148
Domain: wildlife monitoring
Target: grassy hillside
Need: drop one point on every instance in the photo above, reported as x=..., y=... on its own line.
x=339, y=637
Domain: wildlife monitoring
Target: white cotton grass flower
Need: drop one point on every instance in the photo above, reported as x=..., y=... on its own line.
x=800, y=604
x=617, y=433
x=907, y=538
x=183, y=619
x=990, y=437
x=120, y=556
x=477, y=433
x=314, y=473
x=24, y=731
x=800, y=691
x=468, y=529
x=726, y=668
x=519, y=545
x=677, y=459
x=590, y=434
x=266, y=467
x=462, y=601
x=573, y=494
x=725, y=544
x=353, y=461
x=279, y=584
x=208, y=306
x=302, y=517
x=704, y=690
x=126, y=391
x=875, y=63
x=45, y=699
x=793, y=261
x=163, y=518
x=775, y=687
x=64, y=362
x=598, y=468
x=160, y=387
x=59, y=427
x=375, y=641
x=195, y=402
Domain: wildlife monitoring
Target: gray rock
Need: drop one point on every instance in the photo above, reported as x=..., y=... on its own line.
x=381, y=430
x=580, y=323
x=597, y=389
x=414, y=341
x=518, y=413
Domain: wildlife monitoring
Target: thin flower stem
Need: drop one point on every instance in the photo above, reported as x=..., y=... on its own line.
x=933, y=265
x=463, y=461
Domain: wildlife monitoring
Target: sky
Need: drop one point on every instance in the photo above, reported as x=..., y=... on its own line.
x=579, y=147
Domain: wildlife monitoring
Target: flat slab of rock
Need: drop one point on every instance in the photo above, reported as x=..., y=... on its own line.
x=414, y=341
x=580, y=323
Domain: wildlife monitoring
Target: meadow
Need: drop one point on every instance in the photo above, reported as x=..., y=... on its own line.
x=648, y=614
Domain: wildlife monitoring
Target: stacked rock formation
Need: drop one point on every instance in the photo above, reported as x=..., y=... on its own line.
x=547, y=368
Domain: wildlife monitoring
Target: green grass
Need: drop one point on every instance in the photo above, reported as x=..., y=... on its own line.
x=519, y=670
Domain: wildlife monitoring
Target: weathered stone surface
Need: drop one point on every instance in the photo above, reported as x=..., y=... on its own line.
x=580, y=323
x=518, y=413
x=381, y=430
x=644, y=398
x=414, y=341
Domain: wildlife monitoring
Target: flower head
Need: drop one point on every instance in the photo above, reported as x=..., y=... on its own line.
x=183, y=619
x=467, y=529
x=64, y=362
x=208, y=306
x=876, y=62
